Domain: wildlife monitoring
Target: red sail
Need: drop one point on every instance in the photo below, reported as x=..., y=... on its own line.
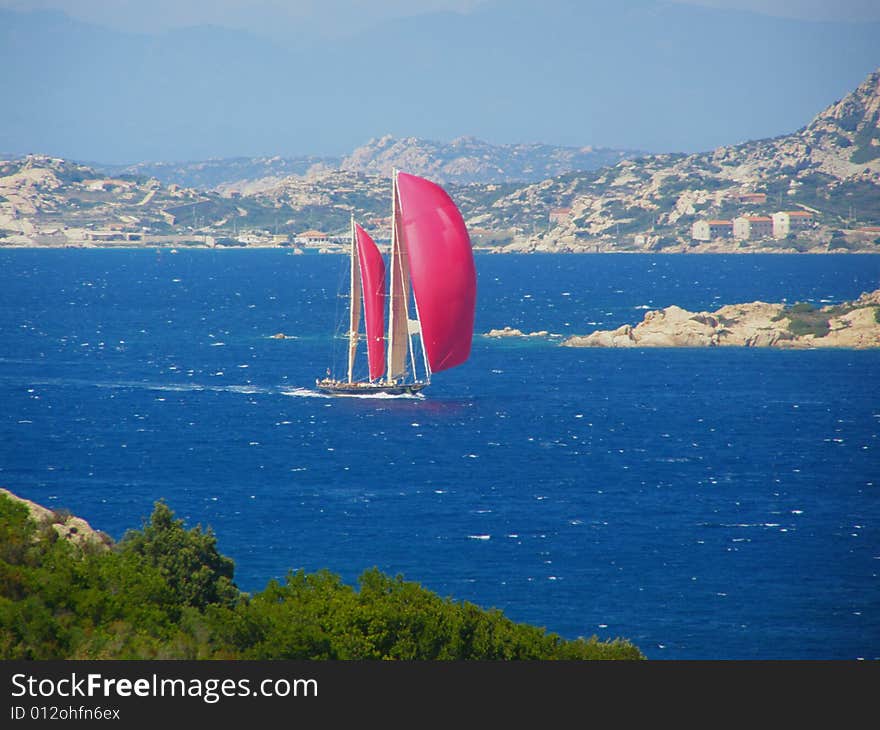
x=373, y=281
x=442, y=271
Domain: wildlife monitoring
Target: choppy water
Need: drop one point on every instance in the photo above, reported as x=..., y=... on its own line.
x=703, y=503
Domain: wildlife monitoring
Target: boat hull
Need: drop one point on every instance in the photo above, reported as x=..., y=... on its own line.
x=335, y=387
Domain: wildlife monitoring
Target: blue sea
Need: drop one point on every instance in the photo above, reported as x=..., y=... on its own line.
x=703, y=503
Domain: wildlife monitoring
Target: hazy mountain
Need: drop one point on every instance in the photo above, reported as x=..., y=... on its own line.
x=637, y=74
x=463, y=160
x=213, y=173
x=468, y=159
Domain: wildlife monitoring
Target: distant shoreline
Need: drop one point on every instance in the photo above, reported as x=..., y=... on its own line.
x=494, y=251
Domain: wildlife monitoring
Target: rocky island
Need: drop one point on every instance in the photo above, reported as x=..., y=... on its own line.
x=853, y=324
x=514, y=332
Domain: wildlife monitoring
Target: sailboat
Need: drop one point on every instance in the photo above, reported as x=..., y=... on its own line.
x=432, y=297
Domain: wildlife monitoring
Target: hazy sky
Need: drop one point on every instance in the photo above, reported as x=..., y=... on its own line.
x=293, y=18
x=517, y=70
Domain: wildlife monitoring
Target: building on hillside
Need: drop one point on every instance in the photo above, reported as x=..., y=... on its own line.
x=752, y=226
x=253, y=239
x=559, y=215
x=708, y=230
x=112, y=234
x=311, y=238
x=756, y=198
x=101, y=185
x=788, y=221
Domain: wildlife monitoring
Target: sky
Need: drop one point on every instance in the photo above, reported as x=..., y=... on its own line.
x=129, y=80
x=276, y=18
x=338, y=18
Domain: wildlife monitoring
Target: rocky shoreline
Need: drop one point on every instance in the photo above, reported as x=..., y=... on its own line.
x=853, y=325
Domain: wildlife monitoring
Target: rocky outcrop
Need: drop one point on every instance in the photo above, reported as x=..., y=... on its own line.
x=513, y=332
x=756, y=324
x=74, y=529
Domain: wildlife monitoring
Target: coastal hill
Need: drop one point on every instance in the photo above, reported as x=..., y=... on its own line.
x=822, y=182
x=853, y=324
x=828, y=173
x=52, y=202
x=829, y=169
x=48, y=201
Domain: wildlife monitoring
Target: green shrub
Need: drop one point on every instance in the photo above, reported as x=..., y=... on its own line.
x=802, y=326
x=197, y=573
x=805, y=319
x=801, y=307
x=165, y=592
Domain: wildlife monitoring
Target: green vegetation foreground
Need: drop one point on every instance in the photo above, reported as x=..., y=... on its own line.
x=164, y=592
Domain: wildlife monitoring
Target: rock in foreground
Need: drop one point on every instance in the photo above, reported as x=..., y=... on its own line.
x=68, y=526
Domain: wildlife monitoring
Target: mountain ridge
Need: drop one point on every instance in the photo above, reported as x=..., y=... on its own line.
x=826, y=175
x=461, y=160
x=649, y=203
x=467, y=159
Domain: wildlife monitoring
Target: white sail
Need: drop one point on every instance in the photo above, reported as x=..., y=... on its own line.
x=355, y=299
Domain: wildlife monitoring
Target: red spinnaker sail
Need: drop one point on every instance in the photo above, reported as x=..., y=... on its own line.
x=373, y=281
x=442, y=271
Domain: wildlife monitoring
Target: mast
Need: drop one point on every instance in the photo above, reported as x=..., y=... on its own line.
x=392, y=291
x=398, y=326
x=355, y=301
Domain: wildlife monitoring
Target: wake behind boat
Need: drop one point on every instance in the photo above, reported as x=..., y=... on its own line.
x=432, y=299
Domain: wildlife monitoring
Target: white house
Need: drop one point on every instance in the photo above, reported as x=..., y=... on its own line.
x=752, y=226
x=785, y=222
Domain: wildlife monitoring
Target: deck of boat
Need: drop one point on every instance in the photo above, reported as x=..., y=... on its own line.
x=342, y=387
